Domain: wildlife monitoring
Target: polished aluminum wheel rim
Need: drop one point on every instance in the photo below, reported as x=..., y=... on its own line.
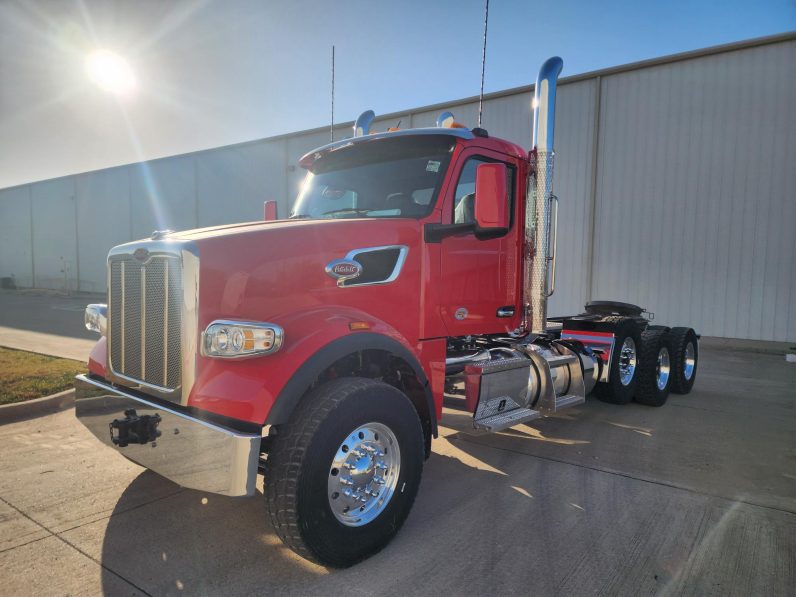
x=663, y=368
x=364, y=474
x=627, y=361
x=689, y=360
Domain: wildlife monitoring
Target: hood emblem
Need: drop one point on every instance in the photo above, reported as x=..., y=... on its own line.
x=141, y=254
x=160, y=234
x=344, y=269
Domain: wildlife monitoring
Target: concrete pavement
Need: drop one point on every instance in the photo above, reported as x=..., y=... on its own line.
x=697, y=497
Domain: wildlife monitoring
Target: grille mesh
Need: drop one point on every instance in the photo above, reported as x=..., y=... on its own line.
x=145, y=319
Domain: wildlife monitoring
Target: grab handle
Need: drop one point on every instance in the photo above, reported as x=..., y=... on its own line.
x=551, y=258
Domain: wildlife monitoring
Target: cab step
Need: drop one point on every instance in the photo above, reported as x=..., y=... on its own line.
x=560, y=361
x=503, y=420
x=495, y=413
x=567, y=400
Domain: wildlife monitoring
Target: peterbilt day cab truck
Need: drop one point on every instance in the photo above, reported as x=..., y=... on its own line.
x=318, y=349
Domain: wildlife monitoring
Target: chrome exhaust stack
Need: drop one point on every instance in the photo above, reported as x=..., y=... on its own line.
x=538, y=276
x=362, y=125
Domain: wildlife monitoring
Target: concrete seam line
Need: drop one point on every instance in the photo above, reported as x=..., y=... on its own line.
x=114, y=513
x=2, y=551
x=37, y=406
x=73, y=546
x=625, y=475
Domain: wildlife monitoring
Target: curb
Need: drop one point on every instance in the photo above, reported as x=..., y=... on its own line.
x=37, y=407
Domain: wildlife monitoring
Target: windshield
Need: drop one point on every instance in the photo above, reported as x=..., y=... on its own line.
x=386, y=178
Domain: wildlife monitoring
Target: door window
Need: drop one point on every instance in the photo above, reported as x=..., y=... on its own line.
x=464, y=198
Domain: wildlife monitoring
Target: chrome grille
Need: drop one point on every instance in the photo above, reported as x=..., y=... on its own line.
x=145, y=319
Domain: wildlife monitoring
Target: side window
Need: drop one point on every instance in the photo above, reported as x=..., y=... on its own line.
x=464, y=198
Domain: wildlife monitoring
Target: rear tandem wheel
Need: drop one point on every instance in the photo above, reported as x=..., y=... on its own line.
x=623, y=375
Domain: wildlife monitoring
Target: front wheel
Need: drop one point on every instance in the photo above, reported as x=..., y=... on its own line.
x=342, y=475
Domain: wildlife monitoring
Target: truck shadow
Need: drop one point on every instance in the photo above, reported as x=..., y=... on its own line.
x=190, y=542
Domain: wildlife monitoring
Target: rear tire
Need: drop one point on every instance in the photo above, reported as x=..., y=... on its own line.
x=316, y=456
x=623, y=375
x=685, y=359
x=655, y=377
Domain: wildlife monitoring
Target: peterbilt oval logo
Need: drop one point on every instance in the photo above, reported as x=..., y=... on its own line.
x=344, y=269
x=141, y=254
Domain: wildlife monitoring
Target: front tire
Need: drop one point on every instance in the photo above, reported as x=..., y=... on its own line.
x=342, y=475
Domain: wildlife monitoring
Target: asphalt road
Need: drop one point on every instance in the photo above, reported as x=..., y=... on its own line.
x=695, y=498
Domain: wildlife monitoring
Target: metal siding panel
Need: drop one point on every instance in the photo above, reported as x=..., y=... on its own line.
x=103, y=212
x=693, y=187
x=572, y=184
x=233, y=182
x=15, y=235
x=54, y=236
x=163, y=195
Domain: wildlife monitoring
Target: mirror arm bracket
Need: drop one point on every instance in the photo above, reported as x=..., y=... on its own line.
x=434, y=233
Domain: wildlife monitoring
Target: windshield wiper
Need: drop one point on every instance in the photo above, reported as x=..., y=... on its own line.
x=348, y=210
x=299, y=216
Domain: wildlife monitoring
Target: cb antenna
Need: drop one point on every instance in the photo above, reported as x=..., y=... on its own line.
x=331, y=127
x=483, y=65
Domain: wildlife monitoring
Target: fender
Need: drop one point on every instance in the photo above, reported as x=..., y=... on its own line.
x=249, y=389
x=300, y=382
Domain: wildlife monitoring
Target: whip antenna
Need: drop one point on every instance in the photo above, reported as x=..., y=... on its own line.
x=483, y=65
x=331, y=127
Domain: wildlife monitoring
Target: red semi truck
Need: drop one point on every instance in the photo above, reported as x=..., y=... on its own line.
x=317, y=349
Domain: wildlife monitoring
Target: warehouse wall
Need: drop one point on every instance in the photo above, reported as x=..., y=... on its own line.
x=675, y=177
x=696, y=192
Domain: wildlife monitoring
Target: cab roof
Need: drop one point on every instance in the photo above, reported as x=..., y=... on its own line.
x=465, y=135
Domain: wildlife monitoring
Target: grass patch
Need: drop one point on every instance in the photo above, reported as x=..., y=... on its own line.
x=27, y=375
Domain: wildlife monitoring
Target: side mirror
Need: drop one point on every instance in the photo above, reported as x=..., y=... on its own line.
x=491, y=199
x=270, y=211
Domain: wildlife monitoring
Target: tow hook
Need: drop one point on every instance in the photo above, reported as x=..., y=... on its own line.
x=134, y=429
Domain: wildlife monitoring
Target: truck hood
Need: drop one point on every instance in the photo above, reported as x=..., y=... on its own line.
x=262, y=269
x=239, y=228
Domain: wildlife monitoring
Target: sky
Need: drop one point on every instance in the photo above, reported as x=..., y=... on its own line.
x=211, y=73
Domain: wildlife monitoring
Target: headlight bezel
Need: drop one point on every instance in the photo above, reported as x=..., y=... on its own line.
x=234, y=332
x=95, y=318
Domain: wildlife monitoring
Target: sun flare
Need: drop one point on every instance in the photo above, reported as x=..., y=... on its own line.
x=110, y=72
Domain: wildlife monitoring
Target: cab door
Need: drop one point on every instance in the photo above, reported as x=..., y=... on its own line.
x=479, y=288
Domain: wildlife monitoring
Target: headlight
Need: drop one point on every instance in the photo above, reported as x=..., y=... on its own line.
x=96, y=318
x=240, y=339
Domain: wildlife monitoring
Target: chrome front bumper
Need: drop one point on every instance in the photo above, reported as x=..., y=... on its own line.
x=190, y=452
